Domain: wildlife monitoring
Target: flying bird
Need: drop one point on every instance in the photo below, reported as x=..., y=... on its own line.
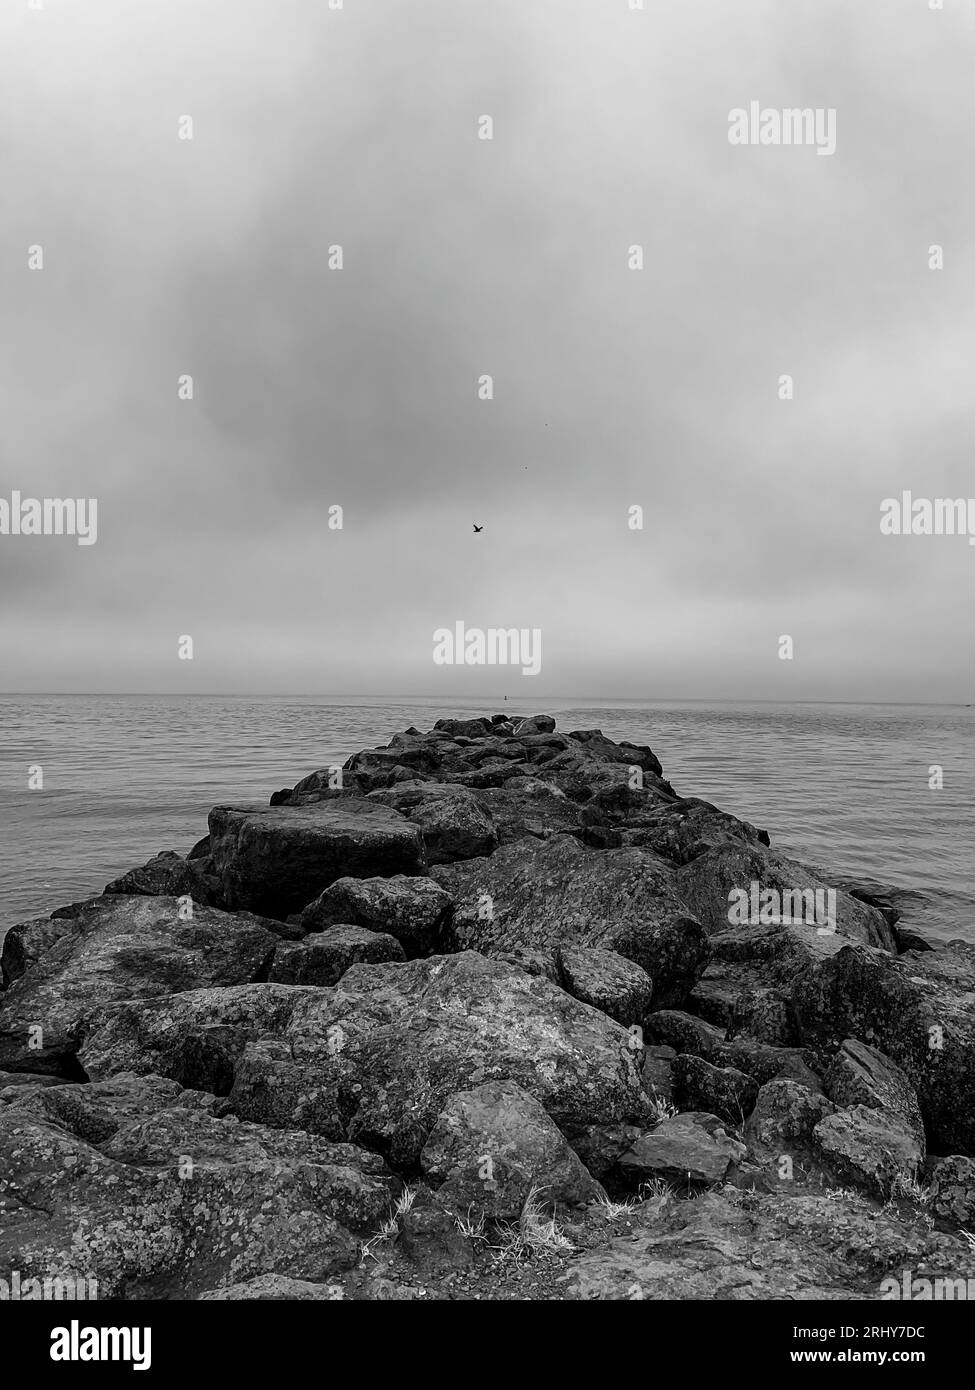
x=476, y=527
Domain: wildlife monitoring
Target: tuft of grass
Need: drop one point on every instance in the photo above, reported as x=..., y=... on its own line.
x=612, y=1209
x=970, y=1237
x=473, y=1230
x=389, y=1229
x=655, y=1189
x=536, y=1234
x=907, y=1187
x=662, y=1109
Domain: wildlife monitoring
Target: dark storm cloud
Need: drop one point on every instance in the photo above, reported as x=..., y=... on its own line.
x=462, y=257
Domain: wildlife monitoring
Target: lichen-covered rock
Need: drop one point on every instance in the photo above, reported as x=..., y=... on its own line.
x=375, y=1058
x=707, y=882
x=689, y=1150
x=122, y=948
x=414, y=910
x=492, y=1145
x=169, y=875
x=557, y=893
x=275, y=859
x=322, y=959
x=721, y=1091
x=748, y=1246
x=917, y=1009
x=125, y=1184
x=860, y=1075
x=781, y=1127
x=274, y=1288
x=953, y=1190
x=606, y=980
x=869, y=1148
x=451, y=820
x=194, y=1038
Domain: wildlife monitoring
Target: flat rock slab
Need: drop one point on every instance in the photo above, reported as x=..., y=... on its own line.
x=121, y=948
x=276, y=859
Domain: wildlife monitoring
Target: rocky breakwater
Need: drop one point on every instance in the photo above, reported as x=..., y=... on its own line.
x=502, y=1014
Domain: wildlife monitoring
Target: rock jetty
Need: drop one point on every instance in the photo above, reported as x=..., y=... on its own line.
x=475, y=1020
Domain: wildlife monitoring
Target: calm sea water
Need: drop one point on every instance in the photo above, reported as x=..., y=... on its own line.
x=844, y=786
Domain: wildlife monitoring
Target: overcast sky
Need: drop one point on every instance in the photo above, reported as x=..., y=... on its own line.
x=508, y=257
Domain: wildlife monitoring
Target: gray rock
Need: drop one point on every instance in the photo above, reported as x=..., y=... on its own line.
x=414, y=910
x=122, y=948
x=693, y=1149
x=606, y=980
x=324, y=958
x=276, y=859
x=492, y=1145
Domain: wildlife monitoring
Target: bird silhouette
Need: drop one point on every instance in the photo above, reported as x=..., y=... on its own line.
x=476, y=527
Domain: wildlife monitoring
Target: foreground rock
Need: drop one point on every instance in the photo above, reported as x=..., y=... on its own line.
x=689, y=1150
x=133, y=1183
x=918, y=1010
x=121, y=948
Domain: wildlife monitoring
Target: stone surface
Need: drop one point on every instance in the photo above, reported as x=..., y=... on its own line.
x=557, y=893
x=608, y=981
x=917, y=1009
x=122, y=948
x=868, y=1148
x=722, y=1091
x=493, y=1145
x=860, y=1075
x=376, y=1058
x=414, y=910
x=154, y=1199
x=276, y=859
x=322, y=959
x=687, y=1150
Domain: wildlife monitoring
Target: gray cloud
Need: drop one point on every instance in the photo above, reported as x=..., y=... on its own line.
x=506, y=257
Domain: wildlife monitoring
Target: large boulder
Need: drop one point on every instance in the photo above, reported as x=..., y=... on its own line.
x=451, y=820
x=608, y=981
x=721, y=1091
x=322, y=959
x=689, y=1150
x=557, y=893
x=135, y=1186
x=375, y=1059
x=784, y=890
x=276, y=859
x=746, y=1246
x=868, y=1148
x=860, y=1075
x=414, y=910
x=122, y=948
x=918, y=1010
x=169, y=875
x=492, y=1145
x=194, y=1038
